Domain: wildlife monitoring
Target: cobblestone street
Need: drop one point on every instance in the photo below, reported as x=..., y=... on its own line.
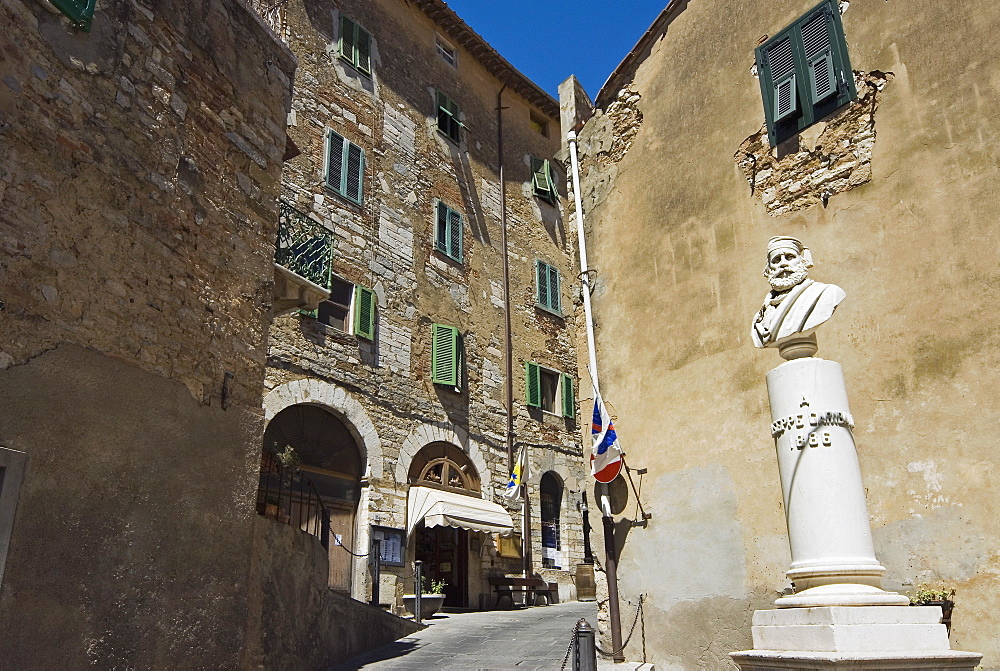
x=530, y=638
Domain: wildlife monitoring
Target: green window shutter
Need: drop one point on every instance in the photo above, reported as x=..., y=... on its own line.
x=335, y=161
x=348, y=39
x=817, y=42
x=364, y=312
x=569, y=401
x=444, y=355
x=533, y=384
x=364, y=48
x=540, y=178
x=552, y=180
x=441, y=236
x=447, y=115
x=80, y=12
x=542, y=282
x=354, y=172
x=781, y=64
x=455, y=235
x=554, y=288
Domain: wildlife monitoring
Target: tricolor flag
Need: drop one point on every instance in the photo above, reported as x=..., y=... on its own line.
x=606, y=459
x=517, y=477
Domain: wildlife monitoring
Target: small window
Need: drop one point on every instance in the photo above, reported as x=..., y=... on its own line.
x=446, y=52
x=345, y=167
x=355, y=45
x=446, y=356
x=804, y=72
x=335, y=310
x=448, y=232
x=547, y=287
x=80, y=12
x=448, y=117
x=543, y=180
x=539, y=124
x=549, y=390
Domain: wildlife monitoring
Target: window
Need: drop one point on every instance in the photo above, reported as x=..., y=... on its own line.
x=444, y=466
x=543, y=180
x=550, y=490
x=547, y=286
x=446, y=52
x=804, y=72
x=345, y=167
x=446, y=356
x=355, y=45
x=539, y=124
x=80, y=12
x=448, y=117
x=448, y=232
x=549, y=390
x=336, y=310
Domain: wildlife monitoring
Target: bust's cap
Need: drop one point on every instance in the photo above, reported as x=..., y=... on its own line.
x=784, y=242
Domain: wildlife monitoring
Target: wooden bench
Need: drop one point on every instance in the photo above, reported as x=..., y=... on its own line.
x=504, y=587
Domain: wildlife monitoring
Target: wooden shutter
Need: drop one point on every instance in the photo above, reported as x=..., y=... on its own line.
x=364, y=312
x=780, y=61
x=817, y=42
x=554, y=288
x=448, y=114
x=354, y=172
x=348, y=39
x=568, y=399
x=80, y=12
x=364, y=48
x=335, y=162
x=550, y=173
x=540, y=178
x=441, y=236
x=533, y=384
x=542, y=282
x=444, y=355
x=454, y=235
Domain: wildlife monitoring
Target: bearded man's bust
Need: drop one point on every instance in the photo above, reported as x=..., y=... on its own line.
x=796, y=305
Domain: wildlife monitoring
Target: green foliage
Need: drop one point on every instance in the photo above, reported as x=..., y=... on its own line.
x=288, y=457
x=434, y=586
x=927, y=593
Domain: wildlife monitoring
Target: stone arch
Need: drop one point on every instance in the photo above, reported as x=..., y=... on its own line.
x=308, y=391
x=443, y=432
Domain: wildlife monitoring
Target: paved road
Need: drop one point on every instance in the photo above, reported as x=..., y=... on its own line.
x=529, y=638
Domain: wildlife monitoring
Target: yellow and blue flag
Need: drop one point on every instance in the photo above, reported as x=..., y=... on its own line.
x=517, y=476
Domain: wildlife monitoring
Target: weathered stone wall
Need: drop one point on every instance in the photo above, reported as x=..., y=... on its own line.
x=139, y=171
x=303, y=624
x=387, y=244
x=677, y=236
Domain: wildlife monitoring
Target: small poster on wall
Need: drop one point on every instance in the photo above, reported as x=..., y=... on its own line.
x=392, y=541
x=509, y=546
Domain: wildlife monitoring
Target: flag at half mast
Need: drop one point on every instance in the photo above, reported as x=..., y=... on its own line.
x=606, y=458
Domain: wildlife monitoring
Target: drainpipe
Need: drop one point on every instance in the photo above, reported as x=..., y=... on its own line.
x=610, y=551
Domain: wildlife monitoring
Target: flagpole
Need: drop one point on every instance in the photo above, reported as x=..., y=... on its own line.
x=610, y=551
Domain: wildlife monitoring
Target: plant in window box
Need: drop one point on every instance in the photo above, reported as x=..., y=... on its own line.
x=935, y=595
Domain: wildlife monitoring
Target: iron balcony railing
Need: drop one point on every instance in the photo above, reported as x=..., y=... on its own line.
x=285, y=494
x=304, y=246
x=273, y=13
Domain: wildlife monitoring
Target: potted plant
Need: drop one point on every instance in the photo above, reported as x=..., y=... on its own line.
x=431, y=598
x=935, y=595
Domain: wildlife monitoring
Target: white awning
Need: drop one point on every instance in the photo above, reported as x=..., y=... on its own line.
x=438, y=508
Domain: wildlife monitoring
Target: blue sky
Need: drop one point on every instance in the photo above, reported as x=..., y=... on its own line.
x=549, y=40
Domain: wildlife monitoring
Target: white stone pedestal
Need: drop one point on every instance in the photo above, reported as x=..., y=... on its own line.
x=852, y=637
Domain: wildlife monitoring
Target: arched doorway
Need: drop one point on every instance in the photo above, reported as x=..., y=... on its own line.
x=311, y=463
x=551, y=490
x=444, y=550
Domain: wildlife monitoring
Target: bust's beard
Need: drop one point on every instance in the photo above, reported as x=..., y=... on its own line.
x=780, y=284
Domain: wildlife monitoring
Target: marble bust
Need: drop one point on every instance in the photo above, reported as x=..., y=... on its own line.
x=796, y=305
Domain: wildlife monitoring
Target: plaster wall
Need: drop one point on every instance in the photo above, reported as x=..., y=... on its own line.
x=139, y=171
x=677, y=235
x=387, y=244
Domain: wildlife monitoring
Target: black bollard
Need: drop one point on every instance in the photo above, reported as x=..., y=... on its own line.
x=376, y=561
x=585, y=650
x=417, y=589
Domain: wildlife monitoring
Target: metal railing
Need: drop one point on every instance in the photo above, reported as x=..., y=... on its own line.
x=304, y=246
x=273, y=13
x=285, y=494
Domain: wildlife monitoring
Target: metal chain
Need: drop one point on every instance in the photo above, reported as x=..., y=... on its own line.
x=638, y=609
x=572, y=640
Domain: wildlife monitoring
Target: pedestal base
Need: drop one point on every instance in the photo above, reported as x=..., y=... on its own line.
x=842, y=594
x=852, y=637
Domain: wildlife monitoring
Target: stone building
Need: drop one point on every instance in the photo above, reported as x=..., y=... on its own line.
x=889, y=174
x=140, y=171
x=391, y=391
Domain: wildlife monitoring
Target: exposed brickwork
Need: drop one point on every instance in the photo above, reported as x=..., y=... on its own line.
x=796, y=175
